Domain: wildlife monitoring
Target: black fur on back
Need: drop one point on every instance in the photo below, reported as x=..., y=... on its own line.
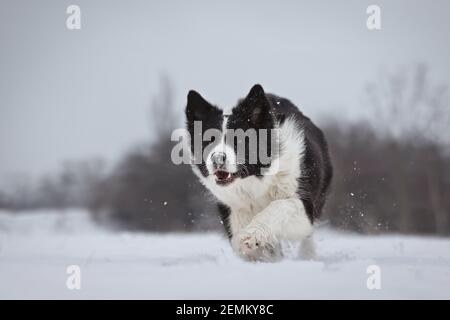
x=316, y=167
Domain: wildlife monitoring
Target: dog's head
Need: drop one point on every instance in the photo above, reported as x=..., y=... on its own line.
x=230, y=147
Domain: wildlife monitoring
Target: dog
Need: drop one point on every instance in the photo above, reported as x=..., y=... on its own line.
x=261, y=203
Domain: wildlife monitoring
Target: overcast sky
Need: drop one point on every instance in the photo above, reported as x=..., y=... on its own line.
x=86, y=93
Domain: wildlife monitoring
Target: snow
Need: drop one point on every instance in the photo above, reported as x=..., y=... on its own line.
x=36, y=250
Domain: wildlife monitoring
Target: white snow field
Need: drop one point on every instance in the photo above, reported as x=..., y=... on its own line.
x=36, y=249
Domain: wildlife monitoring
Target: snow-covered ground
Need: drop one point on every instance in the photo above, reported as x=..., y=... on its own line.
x=36, y=249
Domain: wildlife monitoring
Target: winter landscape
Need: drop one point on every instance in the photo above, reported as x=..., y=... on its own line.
x=37, y=248
x=91, y=93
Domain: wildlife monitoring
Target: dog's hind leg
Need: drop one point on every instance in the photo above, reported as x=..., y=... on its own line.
x=308, y=248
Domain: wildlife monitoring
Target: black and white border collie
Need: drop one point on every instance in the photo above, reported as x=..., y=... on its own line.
x=261, y=203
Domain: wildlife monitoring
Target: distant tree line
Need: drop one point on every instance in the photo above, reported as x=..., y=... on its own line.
x=383, y=184
x=74, y=185
x=391, y=170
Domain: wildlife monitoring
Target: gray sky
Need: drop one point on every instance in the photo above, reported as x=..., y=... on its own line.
x=79, y=94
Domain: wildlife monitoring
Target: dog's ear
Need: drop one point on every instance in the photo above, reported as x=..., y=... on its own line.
x=257, y=106
x=198, y=108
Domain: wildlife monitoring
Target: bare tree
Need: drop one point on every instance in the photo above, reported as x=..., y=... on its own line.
x=406, y=104
x=390, y=170
x=147, y=191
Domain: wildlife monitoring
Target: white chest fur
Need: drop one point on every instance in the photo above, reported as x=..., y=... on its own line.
x=247, y=197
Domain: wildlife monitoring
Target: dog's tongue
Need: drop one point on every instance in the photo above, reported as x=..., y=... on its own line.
x=222, y=175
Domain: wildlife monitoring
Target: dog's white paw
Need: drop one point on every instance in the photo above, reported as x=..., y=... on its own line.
x=256, y=243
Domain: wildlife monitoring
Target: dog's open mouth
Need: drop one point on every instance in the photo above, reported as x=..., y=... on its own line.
x=223, y=177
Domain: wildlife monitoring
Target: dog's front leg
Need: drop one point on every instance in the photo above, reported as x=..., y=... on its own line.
x=284, y=219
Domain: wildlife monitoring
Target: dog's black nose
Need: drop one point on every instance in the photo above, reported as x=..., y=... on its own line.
x=218, y=159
